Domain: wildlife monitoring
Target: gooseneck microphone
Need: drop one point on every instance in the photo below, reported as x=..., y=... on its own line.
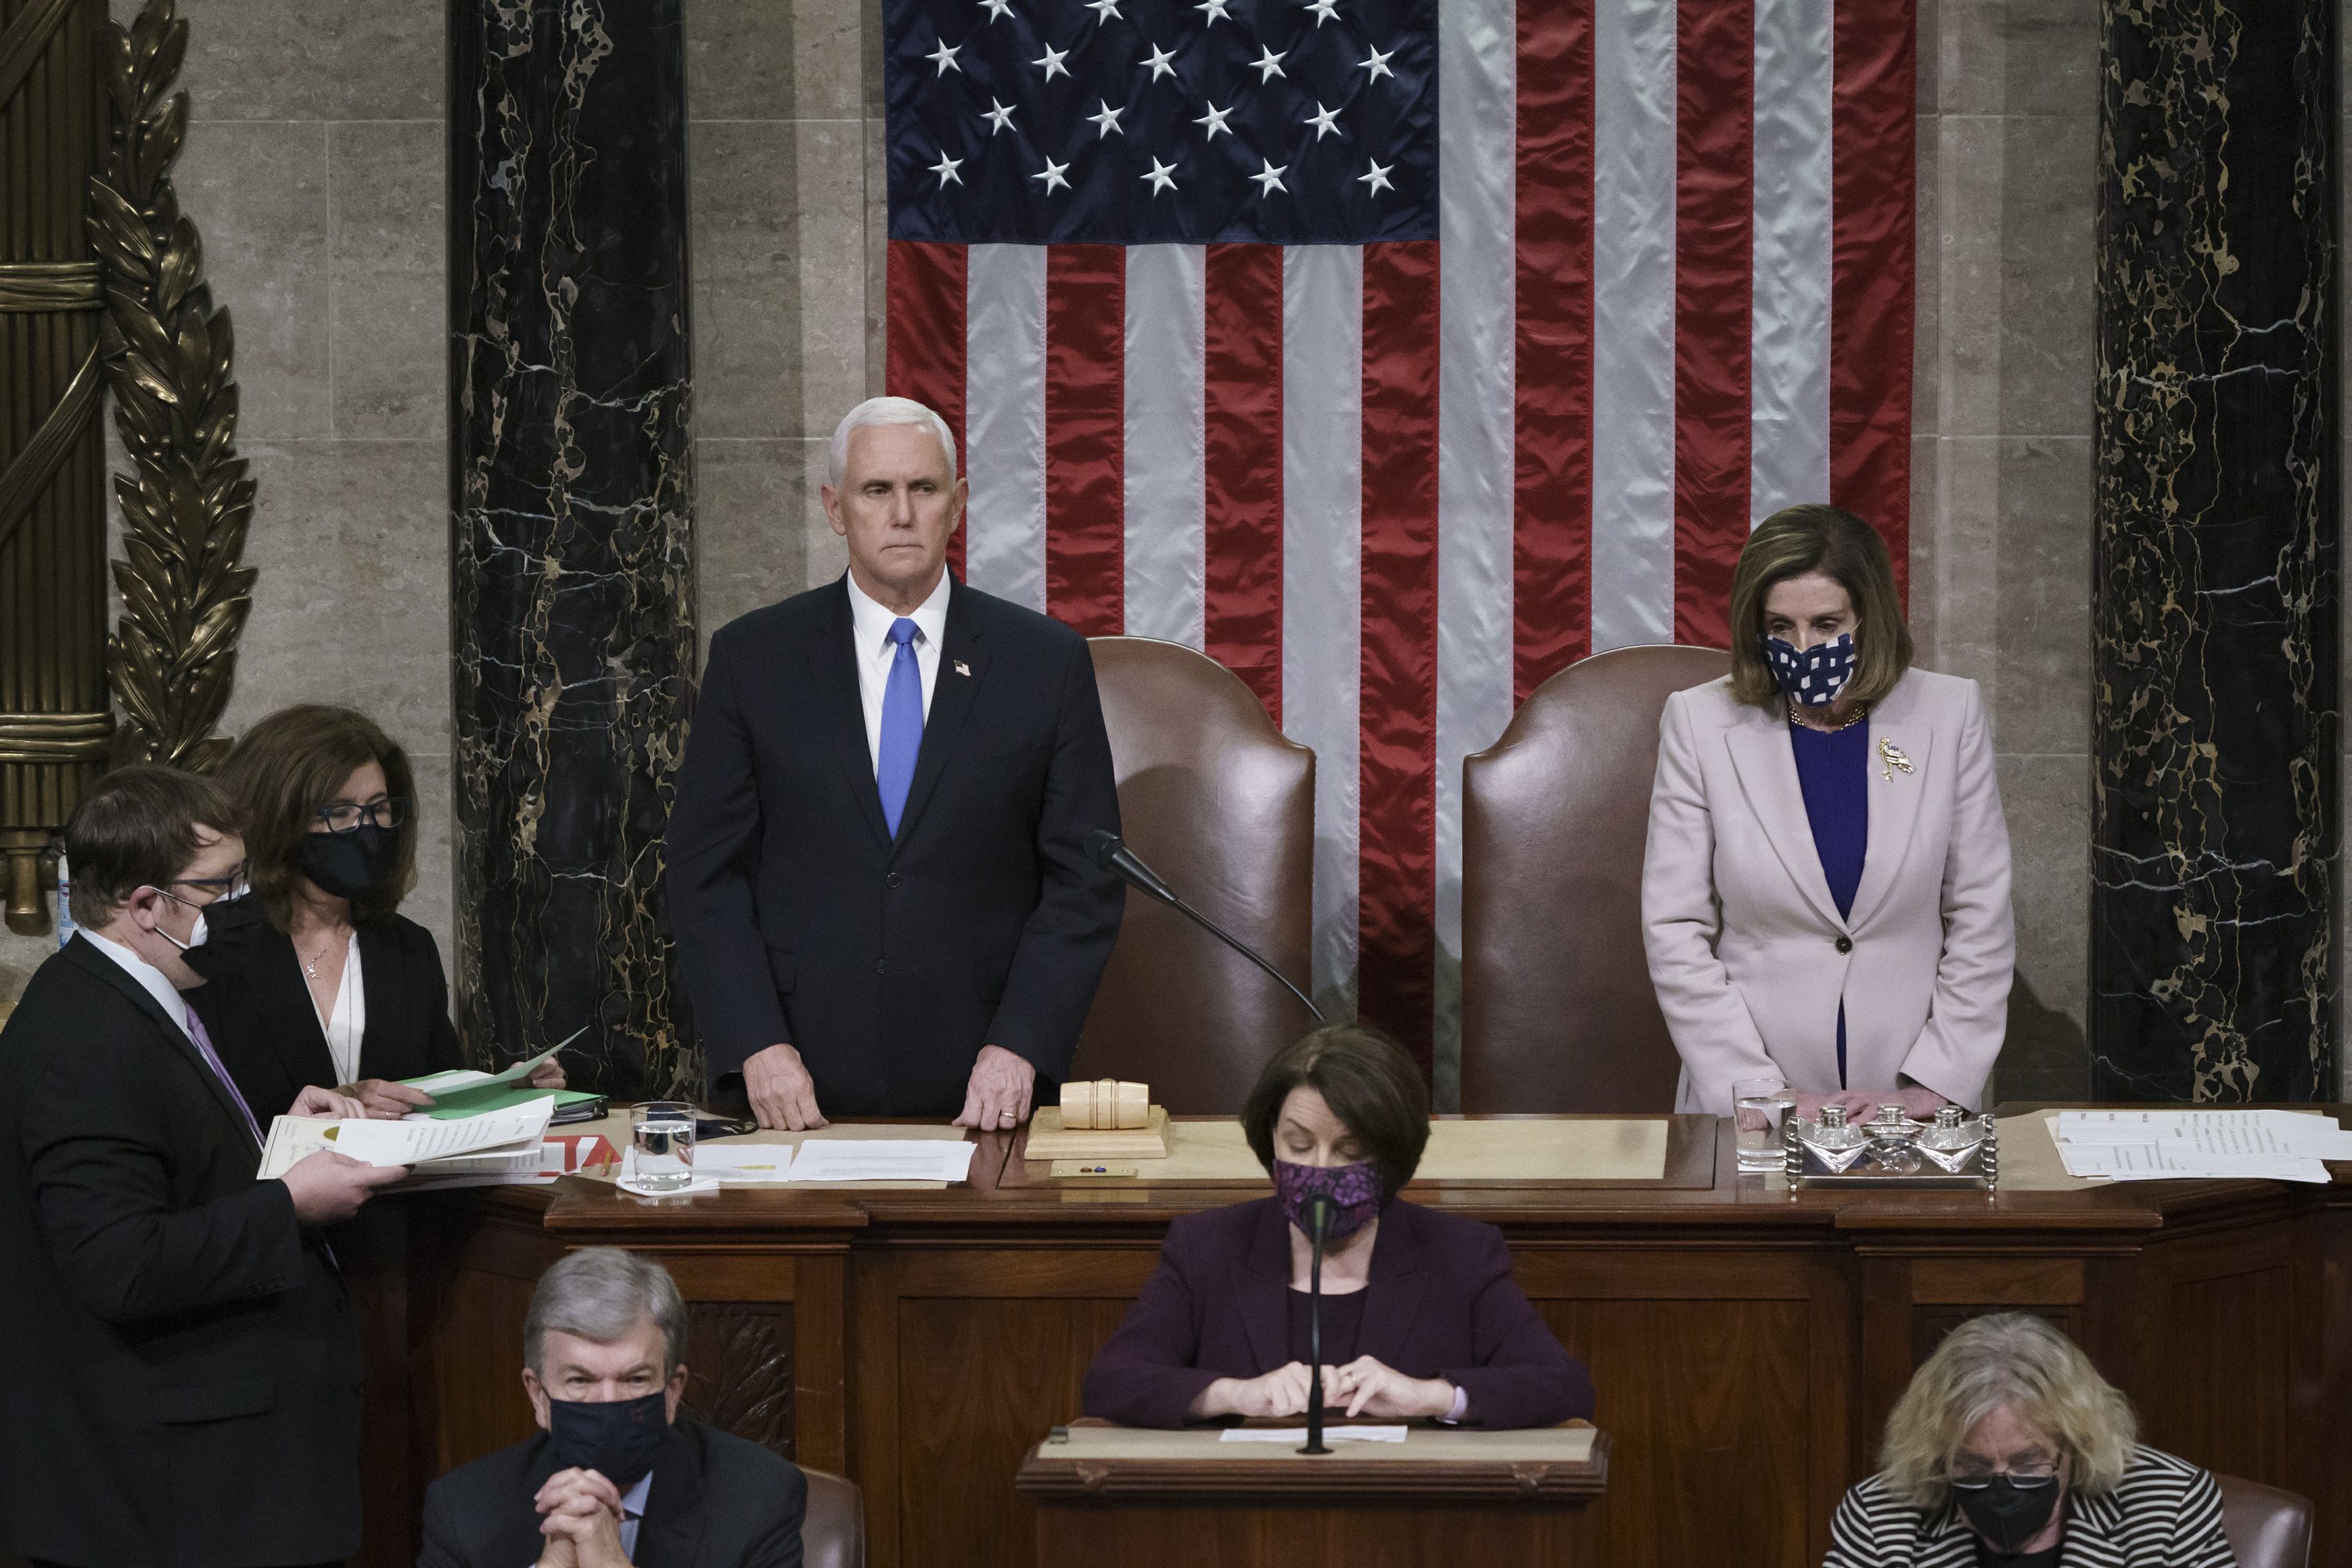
x=1111, y=854
x=1319, y=1209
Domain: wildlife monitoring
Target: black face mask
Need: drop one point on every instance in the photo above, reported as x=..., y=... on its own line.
x=231, y=927
x=351, y=864
x=2006, y=1513
x=618, y=1440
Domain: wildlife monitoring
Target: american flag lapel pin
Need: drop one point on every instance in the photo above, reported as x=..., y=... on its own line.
x=963, y=668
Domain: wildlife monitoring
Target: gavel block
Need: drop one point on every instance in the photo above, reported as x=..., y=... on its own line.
x=1100, y=1119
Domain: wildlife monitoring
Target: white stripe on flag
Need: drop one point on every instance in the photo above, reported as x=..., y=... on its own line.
x=1004, y=422
x=1477, y=56
x=1789, y=448
x=1166, y=438
x=1322, y=578
x=1634, y=158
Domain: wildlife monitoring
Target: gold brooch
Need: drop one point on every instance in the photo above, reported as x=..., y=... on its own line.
x=1891, y=757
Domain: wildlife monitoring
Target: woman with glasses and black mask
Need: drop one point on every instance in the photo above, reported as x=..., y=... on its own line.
x=318, y=980
x=2009, y=1448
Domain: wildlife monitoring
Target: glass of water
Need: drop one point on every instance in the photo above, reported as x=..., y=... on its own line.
x=663, y=1131
x=1758, y=1106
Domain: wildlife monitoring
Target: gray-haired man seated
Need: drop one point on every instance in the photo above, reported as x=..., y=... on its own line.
x=614, y=1478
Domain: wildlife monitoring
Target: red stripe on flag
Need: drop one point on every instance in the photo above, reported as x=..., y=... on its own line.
x=1715, y=222
x=1872, y=126
x=1242, y=398
x=925, y=353
x=1085, y=438
x=1551, y=538
x=1397, y=908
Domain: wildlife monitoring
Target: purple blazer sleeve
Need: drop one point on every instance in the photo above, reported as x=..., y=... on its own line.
x=1522, y=1376
x=1145, y=1375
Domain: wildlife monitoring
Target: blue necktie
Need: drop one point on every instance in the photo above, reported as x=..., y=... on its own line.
x=902, y=725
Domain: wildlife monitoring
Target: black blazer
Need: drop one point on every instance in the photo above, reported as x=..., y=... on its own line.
x=717, y=1501
x=183, y=1376
x=266, y=1027
x=889, y=963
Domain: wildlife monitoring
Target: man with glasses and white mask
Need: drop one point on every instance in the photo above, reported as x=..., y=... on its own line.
x=185, y=1372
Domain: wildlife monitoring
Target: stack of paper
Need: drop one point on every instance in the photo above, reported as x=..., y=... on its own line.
x=882, y=1160
x=494, y=1147
x=462, y=1092
x=2177, y=1145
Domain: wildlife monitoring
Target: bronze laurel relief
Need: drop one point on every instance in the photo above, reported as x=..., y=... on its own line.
x=167, y=352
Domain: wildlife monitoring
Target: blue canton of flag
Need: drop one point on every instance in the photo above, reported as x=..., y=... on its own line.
x=1156, y=121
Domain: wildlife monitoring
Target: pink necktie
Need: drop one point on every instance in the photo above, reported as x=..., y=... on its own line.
x=204, y=1047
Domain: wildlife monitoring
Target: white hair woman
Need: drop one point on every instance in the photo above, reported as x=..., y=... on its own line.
x=2009, y=1448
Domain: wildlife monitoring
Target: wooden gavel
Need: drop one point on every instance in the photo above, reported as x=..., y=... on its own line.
x=1105, y=1104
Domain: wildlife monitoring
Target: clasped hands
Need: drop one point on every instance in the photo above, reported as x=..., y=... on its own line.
x=784, y=1095
x=580, y=1515
x=1364, y=1386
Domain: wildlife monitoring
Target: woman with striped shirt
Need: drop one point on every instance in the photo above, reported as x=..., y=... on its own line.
x=2009, y=1448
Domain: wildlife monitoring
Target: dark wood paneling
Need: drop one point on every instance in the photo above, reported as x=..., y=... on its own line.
x=739, y=1371
x=1083, y=1537
x=2223, y=1400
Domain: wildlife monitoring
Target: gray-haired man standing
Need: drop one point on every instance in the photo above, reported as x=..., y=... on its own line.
x=614, y=1478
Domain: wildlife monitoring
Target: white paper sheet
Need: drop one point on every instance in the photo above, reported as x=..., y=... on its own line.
x=2181, y=1146
x=1297, y=1435
x=402, y=1142
x=876, y=1160
x=744, y=1165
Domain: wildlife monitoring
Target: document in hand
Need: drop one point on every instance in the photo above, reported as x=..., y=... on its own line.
x=463, y=1092
x=2179, y=1145
x=428, y=1148
x=882, y=1160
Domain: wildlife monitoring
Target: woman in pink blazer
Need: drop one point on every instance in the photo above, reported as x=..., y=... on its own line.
x=1825, y=895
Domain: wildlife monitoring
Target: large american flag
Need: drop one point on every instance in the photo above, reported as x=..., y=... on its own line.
x=1400, y=353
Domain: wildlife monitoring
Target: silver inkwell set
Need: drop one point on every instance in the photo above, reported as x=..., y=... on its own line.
x=1890, y=1150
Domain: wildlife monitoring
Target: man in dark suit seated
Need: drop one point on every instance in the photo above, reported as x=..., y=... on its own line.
x=184, y=1381
x=613, y=1476
x=878, y=863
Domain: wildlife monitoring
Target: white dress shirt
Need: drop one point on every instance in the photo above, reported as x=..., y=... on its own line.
x=167, y=995
x=633, y=1508
x=869, y=625
x=346, y=1023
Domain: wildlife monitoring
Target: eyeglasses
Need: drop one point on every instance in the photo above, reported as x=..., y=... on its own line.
x=221, y=888
x=344, y=817
x=2038, y=1473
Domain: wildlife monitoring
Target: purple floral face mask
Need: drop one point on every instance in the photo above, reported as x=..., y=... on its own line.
x=1354, y=1190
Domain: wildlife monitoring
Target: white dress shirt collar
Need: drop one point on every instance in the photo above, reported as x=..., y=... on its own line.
x=633, y=1509
x=167, y=995
x=871, y=621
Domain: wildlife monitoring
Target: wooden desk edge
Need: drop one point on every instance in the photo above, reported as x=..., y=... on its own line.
x=1046, y=1477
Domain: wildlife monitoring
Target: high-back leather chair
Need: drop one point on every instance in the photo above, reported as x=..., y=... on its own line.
x=1214, y=799
x=1558, y=1013
x=833, y=1531
x=2267, y=1528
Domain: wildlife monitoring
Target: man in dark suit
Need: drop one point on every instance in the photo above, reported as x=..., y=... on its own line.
x=185, y=1374
x=614, y=1478
x=877, y=862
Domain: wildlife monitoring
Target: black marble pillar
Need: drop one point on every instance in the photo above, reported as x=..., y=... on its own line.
x=2214, y=587
x=572, y=489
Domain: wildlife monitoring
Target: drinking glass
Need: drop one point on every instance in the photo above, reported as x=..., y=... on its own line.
x=663, y=1131
x=1758, y=1104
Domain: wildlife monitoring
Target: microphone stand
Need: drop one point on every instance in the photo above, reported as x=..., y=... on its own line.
x=1319, y=1214
x=1112, y=854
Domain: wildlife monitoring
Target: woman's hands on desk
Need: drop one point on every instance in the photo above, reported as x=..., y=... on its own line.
x=1862, y=1104
x=1363, y=1388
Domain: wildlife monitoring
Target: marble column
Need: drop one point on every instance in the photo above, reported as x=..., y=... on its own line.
x=2214, y=695
x=572, y=503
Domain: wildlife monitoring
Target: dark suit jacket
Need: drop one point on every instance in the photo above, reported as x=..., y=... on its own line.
x=1441, y=1303
x=265, y=1027
x=183, y=1375
x=889, y=963
x=717, y=1501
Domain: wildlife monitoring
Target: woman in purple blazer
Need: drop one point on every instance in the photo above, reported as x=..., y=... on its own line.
x=1421, y=1315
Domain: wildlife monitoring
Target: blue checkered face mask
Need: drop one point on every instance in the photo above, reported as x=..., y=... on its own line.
x=1813, y=677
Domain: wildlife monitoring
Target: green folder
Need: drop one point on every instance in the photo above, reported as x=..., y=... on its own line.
x=485, y=1098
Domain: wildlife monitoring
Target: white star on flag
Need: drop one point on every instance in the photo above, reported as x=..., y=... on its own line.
x=1324, y=121
x=1052, y=177
x=999, y=118
x=1215, y=120
x=1216, y=9
x=1106, y=121
x=1269, y=178
x=1105, y=10
x=1323, y=11
x=1378, y=179
x=946, y=170
x=1158, y=62
x=1052, y=63
x=1162, y=177
x=1268, y=65
x=944, y=58
x=1378, y=65
x=996, y=8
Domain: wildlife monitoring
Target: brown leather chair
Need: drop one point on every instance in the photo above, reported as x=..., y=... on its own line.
x=2267, y=1528
x=833, y=1531
x=1558, y=1013
x=1215, y=800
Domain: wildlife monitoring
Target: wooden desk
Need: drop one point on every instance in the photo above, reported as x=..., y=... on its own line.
x=1189, y=1500
x=1747, y=1345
